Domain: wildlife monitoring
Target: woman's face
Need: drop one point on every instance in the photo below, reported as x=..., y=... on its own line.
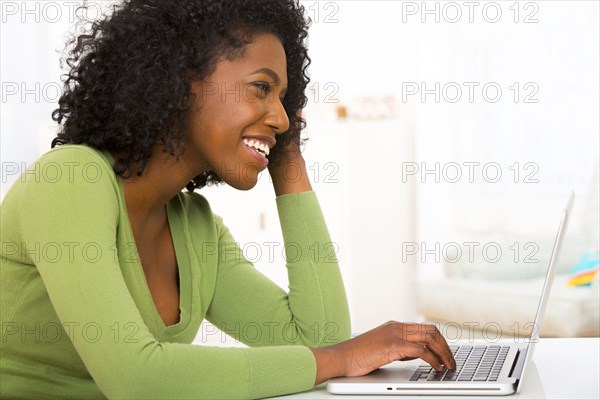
x=237, y=113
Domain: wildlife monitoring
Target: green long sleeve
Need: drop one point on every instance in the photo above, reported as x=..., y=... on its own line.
x=78, y=320
x=314, y=312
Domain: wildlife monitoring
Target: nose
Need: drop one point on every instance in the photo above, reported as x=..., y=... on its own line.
x=277, y=117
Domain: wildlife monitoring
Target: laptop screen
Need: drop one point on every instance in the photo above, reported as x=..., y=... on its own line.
x=535, y=333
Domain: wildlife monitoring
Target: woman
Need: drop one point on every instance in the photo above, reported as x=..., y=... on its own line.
x=108, y=268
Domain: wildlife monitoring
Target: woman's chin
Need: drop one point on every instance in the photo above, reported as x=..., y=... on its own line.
x=240, y=177
x=245, y=183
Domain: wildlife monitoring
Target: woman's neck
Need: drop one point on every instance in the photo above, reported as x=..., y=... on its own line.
x=162, y=179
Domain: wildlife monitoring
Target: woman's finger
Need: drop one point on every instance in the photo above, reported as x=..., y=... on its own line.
x=437, y=343
x=430, y=336
x=420, y=350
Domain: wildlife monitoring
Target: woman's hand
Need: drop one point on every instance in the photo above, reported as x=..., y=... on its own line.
x=389, y=342
x=289, y=173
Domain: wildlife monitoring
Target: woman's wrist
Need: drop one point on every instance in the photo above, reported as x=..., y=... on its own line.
x=290, y=176
x=330, y=363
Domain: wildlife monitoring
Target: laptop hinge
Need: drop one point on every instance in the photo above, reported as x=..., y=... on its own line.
x=518, y=364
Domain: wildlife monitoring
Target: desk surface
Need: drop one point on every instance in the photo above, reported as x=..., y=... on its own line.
x=551, y=375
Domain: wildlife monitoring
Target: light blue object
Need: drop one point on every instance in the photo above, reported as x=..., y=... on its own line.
x=588, y=262
x=584, y=272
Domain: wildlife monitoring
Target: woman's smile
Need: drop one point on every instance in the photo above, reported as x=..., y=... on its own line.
x=259, y=147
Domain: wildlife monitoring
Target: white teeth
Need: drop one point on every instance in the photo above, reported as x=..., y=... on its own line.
x=257, y=145
x=264, y=148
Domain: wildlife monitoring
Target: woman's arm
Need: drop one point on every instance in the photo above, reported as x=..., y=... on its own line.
x=380, y=346
x=257, y=312
x=314, y=312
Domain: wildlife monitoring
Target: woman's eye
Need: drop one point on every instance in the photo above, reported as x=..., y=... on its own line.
x=264, y=87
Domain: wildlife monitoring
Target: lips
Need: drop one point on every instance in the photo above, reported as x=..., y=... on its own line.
x=259, y=146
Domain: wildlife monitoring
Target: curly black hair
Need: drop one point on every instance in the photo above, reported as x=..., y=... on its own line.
x=130, y=75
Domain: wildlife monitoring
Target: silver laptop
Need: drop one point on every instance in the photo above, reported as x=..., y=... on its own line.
x=482, y=368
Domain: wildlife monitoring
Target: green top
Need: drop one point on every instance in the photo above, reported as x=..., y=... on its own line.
x=78, y=319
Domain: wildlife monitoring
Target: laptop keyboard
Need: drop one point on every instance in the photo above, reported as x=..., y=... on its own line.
x=473, y=363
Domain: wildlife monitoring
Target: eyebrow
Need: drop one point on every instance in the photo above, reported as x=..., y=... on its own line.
x=269, y=72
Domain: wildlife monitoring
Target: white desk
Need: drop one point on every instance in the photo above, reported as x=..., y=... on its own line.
x=551, y=376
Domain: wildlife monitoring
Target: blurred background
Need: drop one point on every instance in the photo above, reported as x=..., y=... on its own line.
x=444, y=140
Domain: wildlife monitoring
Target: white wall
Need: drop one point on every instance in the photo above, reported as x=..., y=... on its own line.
x=380, y=49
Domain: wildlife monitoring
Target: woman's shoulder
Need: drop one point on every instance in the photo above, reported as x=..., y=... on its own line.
x=73, y=155
x=64, y=172
x=71, y=163
x=62, y=180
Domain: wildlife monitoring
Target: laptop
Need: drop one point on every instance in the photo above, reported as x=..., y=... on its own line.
x=482, y=368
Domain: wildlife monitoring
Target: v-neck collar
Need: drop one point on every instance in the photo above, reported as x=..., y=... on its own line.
x=141, y=289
